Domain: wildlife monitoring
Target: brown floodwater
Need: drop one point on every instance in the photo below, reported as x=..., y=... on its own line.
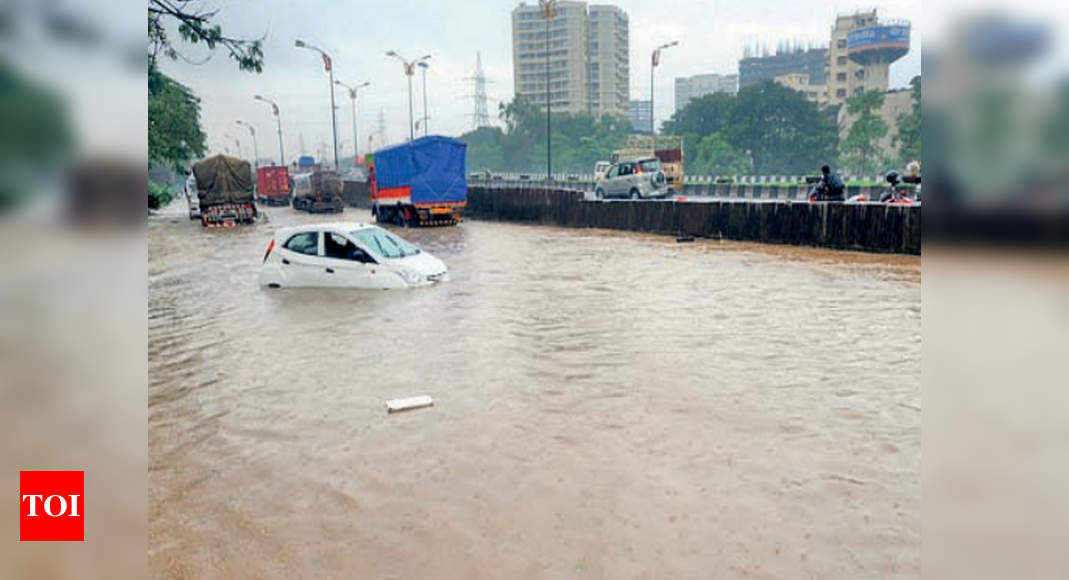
x=607, y=405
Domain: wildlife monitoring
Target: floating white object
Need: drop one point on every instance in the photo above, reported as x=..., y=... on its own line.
x=408, y=403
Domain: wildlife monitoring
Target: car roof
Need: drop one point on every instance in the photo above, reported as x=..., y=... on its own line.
x=336, y=226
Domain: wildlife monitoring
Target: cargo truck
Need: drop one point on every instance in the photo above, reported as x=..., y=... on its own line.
x=224, y=190
x=273, y=185
x=318, y=192
x=419, y=183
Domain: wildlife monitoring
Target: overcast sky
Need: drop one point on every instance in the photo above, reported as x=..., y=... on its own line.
x=357, y=34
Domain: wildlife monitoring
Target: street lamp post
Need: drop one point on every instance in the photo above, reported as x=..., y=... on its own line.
x=255, y=149
x=237, y=143
x=548, y=7
x=655, y=59
x=330, y=72
x=423, y=65
x=274, y=109
x=352, y=100
x=410, y=69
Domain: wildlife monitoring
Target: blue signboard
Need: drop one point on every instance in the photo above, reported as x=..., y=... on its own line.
x=879, y=36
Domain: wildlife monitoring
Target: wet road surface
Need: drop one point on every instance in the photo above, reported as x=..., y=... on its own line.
x=608, y=405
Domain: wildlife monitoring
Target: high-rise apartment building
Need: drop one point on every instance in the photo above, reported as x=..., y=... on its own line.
x=640, y=113
x=608, y=59
x=689, y=88
x=588, y=57
x=809, y=61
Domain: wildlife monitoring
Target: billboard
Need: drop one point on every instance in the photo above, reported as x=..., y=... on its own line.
x=879, y=37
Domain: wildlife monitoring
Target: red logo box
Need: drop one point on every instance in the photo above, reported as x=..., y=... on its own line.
x=51, y=506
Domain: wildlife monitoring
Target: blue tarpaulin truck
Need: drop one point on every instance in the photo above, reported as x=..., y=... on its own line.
x=422, y=182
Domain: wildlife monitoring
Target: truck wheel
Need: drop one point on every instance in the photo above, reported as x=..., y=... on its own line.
x=599, y=193
x=634, y=193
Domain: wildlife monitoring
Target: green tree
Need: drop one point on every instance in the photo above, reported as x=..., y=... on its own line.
x=195, y=27
x=703, y=116
x=484, y=148
x=579, y=140
x=909, y=127
x=861, y=147
x=174, y=133
x=714, y=155
x=784, y=132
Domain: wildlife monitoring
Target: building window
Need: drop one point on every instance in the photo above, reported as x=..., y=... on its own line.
x=860, y=73
x=841, y=60
x=841, y=77
x=841, y=43
x=840, y=93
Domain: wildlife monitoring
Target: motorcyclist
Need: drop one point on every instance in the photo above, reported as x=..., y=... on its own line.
x=891, y=194
x=829, y=188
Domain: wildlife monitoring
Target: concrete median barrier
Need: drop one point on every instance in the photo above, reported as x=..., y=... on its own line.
x=865, y=227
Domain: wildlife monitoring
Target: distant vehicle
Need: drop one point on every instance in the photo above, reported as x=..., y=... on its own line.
x=224, y=191
x=421, y=182
x=194, y=206
x=273, y=185
x=638, y=179
x=354, y=174
x=190, y=190
x=346, y=255
x=666, y=148
x=318, y=192
x=600, y=167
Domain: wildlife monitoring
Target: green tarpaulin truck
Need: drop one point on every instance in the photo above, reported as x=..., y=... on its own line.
x=225, y=191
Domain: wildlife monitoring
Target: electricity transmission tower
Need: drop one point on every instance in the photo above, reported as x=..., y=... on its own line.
x=480, y=118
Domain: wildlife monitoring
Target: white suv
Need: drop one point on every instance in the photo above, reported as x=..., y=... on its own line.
x=637, y=179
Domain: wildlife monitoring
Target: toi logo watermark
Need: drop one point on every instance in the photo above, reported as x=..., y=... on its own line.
x=51, y=506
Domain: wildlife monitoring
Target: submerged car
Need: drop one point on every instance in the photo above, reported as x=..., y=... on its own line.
x=638, y=179
x=346, y=255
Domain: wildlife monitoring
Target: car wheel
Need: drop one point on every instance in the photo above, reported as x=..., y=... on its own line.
x=634, y=194
x=599, y=193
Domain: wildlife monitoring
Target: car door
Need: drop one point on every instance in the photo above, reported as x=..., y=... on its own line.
x=347, y=265
x=299, y=259
x=623, y=184
x=612, y=181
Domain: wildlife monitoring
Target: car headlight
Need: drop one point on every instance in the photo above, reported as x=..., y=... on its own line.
x=410, y=276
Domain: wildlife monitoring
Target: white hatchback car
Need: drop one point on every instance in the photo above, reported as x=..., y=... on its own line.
x=346, y=255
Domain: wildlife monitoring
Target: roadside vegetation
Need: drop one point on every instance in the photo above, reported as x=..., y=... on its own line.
x=175, y=135
x=767, y=129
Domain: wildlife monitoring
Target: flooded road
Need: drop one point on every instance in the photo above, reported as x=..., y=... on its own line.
x=608, y=405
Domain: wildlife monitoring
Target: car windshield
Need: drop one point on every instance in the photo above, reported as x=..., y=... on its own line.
x=650, y=165
x=384, y=243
